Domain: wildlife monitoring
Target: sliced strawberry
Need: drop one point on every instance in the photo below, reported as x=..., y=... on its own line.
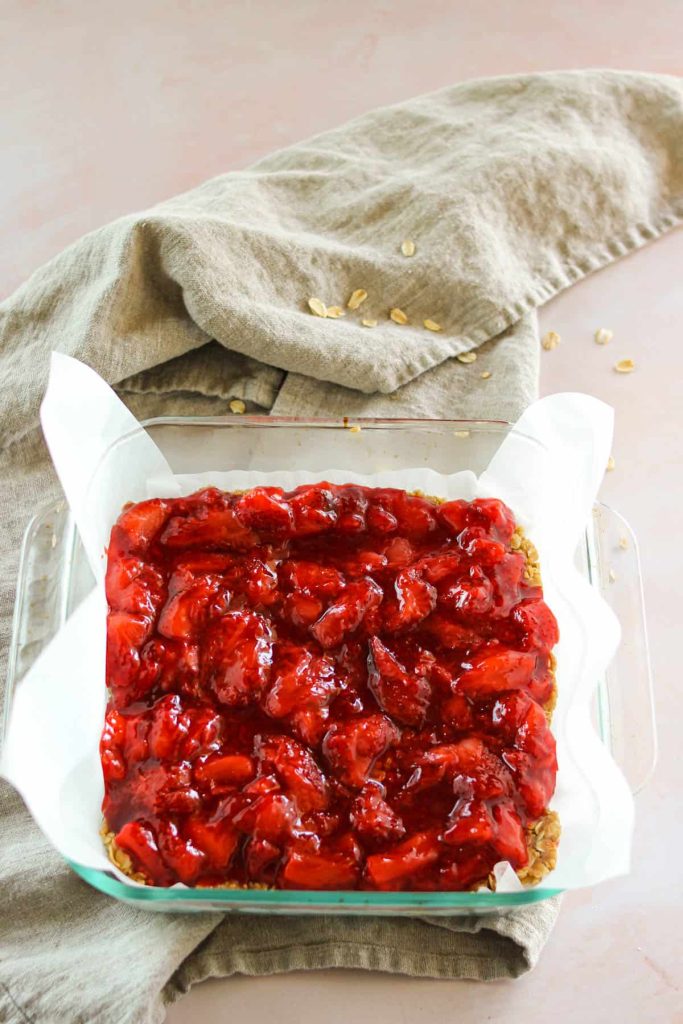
x=351, y=748
x=265, y=510
x=237, y=658
x=297, y=770
x=209, y=527
x=170, y=665
x=496, y=671
x=137, y=840
x=403, y=696
x=345, y=615
x=126, y=634
x=416, y=599
x=537, y=625
x=137, y=527
x=319, y=870
x=510, y=840
x=134, y=586
x=193, y=601
x=373, y=818
x=392, y=868
x=508, y=581
x=216, y=839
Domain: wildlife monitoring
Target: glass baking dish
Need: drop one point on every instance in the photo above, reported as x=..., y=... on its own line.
x=54, y=577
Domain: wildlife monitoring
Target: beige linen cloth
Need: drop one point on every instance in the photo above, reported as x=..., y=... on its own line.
x=511, y=189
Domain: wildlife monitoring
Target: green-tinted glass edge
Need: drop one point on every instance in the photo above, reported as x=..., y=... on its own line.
x=265, y=899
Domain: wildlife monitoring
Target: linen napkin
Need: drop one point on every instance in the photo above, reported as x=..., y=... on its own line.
x=510, y=189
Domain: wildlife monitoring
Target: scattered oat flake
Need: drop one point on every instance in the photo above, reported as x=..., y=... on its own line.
x=550, y=341
x=355, y=429
x=398, y=316
x=612, y=576
x=461, y=433
x=466, y=357
x=237, y=406
x=625, y=366
x=432, y=325
x=408, y=247
x=357, y=298
x=603, y=336
x=623, y=543
x=335, y=311
x=369, y=323
x=317, y=306
x=611, y=463
x=485, y=375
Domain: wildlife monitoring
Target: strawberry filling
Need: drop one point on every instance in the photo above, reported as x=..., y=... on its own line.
x=338, y=687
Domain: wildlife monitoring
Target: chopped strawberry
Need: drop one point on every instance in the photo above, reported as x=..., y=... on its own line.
x=392, y=868
x=403, y=696
x=192, y=602
x=380, y=519
x=345, y=615
x=134, y=586
x=313, y=508
x=351, y=505
x=450, y=635
x=437, y=567
x=260, y=857
x=137, y=527
x=454, y=515
x=179, y=853
x=169, y=725
x=399, y=552
x=497, y=517
x=216, y=839
x=470, y=821
x=111, y=747
x=231, y=769
x=535, y=779
x=237, y=658
x=261, y=583
x=301, y=680
x=312, y=578
x=373, y=818
x=319, y=870
x=137, y=840
x=265, y=510
x=297, y=770
x=415, y=516
x=170, y=665
x=495, y=672
x=537, y=625
x=510, y=841
x=209, y=527
x=302, y=609
x=445, y=762
x=472, y=596
x=351, y=748
x=270, y=817
x=416, y=599
x=126, y=634
x=508, y=578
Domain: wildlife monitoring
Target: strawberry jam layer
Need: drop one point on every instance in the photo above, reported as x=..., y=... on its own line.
x=337, y=687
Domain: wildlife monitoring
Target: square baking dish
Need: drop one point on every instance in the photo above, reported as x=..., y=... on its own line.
x=54, y=577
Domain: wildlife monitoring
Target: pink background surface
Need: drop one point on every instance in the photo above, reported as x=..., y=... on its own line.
x=109, y=107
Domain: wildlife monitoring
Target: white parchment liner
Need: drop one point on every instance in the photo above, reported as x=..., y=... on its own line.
x=51, y=751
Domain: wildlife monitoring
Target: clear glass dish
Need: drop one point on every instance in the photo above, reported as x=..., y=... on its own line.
x=54, y=577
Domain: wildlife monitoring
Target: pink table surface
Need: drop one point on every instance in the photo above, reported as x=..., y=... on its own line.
x=109, y=107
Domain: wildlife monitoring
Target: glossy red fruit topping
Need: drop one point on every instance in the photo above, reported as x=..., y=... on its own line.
x=332, y=688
